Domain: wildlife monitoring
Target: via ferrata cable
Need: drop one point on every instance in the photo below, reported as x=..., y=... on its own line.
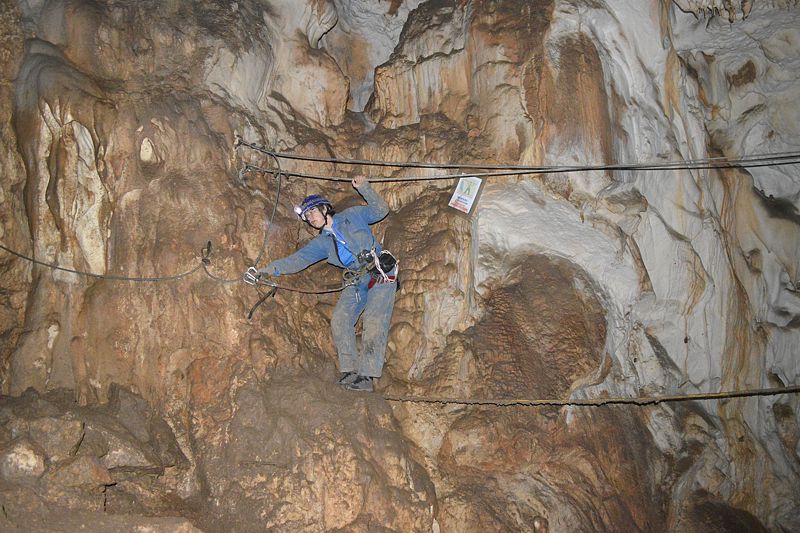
x=595, y=402
x=111, y=277
x=751, y=161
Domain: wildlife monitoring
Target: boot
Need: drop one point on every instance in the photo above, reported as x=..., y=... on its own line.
x=361, y=384
x=347, y=378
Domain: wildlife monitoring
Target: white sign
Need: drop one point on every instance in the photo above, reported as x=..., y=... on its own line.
x=466, y=193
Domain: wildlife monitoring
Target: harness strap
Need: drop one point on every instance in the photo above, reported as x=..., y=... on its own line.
x=380, y=281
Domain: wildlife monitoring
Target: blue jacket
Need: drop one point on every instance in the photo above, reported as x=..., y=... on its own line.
x=352, y=225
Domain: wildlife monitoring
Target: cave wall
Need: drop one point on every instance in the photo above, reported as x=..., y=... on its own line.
x=119, y=120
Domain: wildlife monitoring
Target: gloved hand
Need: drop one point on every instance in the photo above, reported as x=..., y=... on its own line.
x=269, y=270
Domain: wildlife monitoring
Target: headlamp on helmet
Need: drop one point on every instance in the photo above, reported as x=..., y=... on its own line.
x=310, y=202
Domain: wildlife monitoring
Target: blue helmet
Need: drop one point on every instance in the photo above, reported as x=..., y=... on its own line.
x=315, y=200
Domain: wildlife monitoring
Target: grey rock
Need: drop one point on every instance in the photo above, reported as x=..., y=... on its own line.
x=58, y=437
x=21, y=461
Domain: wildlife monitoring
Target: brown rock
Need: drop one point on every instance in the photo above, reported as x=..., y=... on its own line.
x=702, y=512
x=83, y=471
x=59, y=438
x=301, y=454
x=540, y=334
x=136, y=415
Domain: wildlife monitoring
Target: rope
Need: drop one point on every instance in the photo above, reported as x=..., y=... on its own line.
x=218, y=278
x=204, y=263
x=594, y=402
x=555, y=170
x=107, y=276
x=771, y=159
x=262, y=298
x=278, y=176
x=300, y=289
x=752, y=161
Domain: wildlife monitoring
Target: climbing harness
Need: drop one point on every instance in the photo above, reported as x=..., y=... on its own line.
x=382, y=265
x=351, y=276
x=377, y=266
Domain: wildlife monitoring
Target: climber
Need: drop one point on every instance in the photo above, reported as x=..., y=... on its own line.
x=346, y=241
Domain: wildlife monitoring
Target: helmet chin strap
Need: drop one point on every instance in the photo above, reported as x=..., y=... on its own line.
x=324, y=217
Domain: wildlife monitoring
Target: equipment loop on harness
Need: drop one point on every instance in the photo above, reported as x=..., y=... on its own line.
x=351, y=276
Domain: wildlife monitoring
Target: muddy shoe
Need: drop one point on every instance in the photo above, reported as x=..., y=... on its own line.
x=361, y=383
x=347, y=378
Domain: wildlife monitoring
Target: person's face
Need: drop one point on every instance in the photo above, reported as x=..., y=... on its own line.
x=315, y=218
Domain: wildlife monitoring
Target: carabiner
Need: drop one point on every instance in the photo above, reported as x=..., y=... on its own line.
x=251, y=276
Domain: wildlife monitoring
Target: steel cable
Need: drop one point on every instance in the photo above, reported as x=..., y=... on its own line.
x=300, y=289
x=594, y=402
x=104, y=276
x=278, y=176
x=755, y=163
x=760, y=160
x=769, y=159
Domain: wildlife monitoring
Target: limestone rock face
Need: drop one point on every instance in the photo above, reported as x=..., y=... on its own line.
x=118, y=122
x=300, y=454
x=716, y=7
x=16, y=276
x=61, y=463
x=365, y=36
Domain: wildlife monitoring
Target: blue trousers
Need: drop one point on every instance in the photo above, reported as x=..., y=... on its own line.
x=376, y=304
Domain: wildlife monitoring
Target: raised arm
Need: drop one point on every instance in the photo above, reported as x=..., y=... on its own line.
x=376, y=208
